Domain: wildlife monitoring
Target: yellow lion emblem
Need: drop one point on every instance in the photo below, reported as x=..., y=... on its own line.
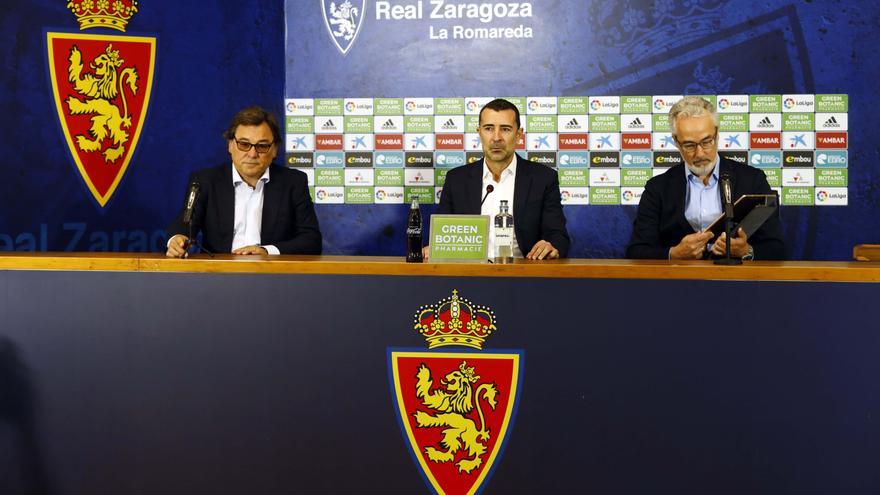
x=100, y=88
x=452, y=404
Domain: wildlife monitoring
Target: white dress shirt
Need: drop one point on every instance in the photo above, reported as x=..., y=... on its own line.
x=249, y=212
x=492, y=205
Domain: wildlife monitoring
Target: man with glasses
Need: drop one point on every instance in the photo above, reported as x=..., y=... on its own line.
x=680, y=203
x=250, y=206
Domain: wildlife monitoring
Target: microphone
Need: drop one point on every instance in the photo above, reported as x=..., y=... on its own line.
x=489, y=189
x=191, y=197
x=726, y=195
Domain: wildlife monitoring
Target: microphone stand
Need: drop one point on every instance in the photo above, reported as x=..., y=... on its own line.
x=192, y=241
x=728, y=227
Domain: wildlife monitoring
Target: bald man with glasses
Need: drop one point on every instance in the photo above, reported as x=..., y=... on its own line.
x=250, y=206
x=679, y=204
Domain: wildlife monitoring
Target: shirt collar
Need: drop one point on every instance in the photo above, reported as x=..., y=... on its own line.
x=510, y=170
x=236, y=178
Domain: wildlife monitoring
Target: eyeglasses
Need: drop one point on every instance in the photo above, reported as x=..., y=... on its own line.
x=690, y=146
x=246, y=146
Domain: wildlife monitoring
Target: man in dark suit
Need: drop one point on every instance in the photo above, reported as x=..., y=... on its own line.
x=250, y=206
x=531, y=190
x=680, y=203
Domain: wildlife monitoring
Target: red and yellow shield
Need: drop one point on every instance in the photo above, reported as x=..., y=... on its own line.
x=455, y=408
x=101, y=86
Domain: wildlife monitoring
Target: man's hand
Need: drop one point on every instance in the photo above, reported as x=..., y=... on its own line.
x=426, y=252
x=691, y=247
x=177, y=246
x=250, y=250
x=739, y=245
x=543, y=250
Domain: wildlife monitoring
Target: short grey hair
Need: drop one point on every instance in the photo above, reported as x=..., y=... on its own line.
x=691, y=106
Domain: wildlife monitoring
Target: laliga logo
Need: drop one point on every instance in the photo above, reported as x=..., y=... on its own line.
x=723, y=103
x=291, y=107
x=595, y=105
x=410, y=105
x=628, y=195
x=471, y=105
x=380, y=194
x=343, y=22
x=821, y=196
x=350, y=106
x=659, y=104
x=789, y=103
x=321, y=194
x=533, y=105
x=566, y=195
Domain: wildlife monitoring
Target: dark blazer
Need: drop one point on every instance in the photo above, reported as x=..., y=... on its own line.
x=289, y=221
x=660, y=222
x=537, y=205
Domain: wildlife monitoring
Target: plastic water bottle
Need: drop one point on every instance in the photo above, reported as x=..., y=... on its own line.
x=503, y=235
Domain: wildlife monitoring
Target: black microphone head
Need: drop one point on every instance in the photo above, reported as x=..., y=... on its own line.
x=489, y=188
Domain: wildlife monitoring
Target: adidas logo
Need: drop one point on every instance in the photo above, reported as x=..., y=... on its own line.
x=389, y=124
x=449, y=123
x=329, y=125
x=573, y=124
x=832, y=122
x=765, y=122
x=636, y=123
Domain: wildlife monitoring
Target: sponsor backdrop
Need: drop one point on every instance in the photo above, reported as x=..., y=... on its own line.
x=392, y=85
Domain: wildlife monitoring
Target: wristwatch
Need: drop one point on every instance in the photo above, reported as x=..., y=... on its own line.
x=750, y=255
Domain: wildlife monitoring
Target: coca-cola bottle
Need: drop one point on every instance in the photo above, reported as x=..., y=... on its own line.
x=414, y=233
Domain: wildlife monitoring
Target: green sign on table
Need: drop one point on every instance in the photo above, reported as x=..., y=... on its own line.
x=459, y=238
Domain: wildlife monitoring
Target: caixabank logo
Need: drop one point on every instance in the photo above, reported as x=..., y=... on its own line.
x=101, y=86
x=456, y=405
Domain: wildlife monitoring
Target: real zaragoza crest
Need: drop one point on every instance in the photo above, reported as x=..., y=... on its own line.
x=455, y=407
x=343, y=19
x=101, y=85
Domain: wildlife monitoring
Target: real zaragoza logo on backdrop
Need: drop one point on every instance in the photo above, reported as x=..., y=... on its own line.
x=455, y=407
x=343, y=20
x=101, y=85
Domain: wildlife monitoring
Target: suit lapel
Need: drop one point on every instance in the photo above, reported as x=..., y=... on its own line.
x=474, y=192
x=679, y=192
x=272, y=192
x=521, y=184
x=226, y=203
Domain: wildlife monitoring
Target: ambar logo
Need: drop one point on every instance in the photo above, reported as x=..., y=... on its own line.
x=766, y=140
x=328, y=142
x=666, y=159
x=389, y=141
x=420, y=159
x=449, y=142
x=797, y=159
x=636, y=141
x=574, y=141
x=831, y=140
x=358, y=159
x=605, y=159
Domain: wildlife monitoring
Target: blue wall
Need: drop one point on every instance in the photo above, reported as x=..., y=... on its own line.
x=216, y=57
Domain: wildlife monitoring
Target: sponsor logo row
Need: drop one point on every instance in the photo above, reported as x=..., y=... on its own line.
x=574, y=195
x=568, y=105
x=562, y=159
x=532, y=141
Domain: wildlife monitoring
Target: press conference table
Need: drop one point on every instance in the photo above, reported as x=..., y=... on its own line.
x=249, y=374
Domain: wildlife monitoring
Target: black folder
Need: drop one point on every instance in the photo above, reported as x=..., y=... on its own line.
x=750, y=211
